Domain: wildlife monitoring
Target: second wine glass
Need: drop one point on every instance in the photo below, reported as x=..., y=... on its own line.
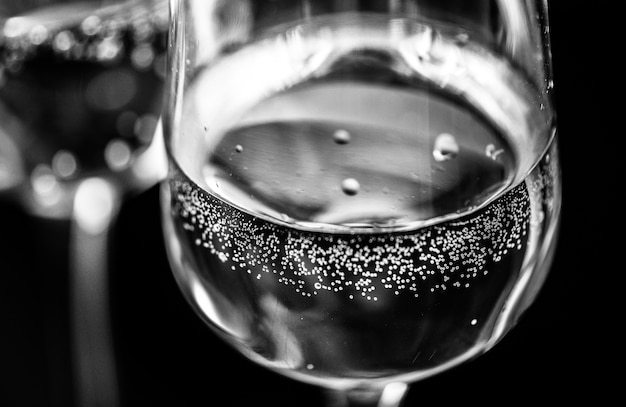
x=80, y=99
x=360, y=194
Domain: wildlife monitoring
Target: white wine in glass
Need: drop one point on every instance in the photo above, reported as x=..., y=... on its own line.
x=361, y=194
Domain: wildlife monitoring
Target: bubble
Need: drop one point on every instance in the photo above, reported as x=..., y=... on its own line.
x=111, y=90
x=145, y=127
x=492, y=151
x=90, y=25
x=63, y=41
x=125, y=123
x=461, y=39
x=341, y=136
x=109, y=49
x=446, y=147
x=142, y=56
x=13, y=27
x=142, y=30
x=239, y=148
x=46, y=188
x=350, y=186
x=64, y=164
x=117, y=155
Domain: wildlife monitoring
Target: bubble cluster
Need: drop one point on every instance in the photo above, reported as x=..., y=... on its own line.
x=434, y=259
x=96, y=38
x=120, y=52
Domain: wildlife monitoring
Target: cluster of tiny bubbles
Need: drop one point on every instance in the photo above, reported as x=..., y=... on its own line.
x=434, y=259
x=542, y=187
x=95, y=38
x=446, y=147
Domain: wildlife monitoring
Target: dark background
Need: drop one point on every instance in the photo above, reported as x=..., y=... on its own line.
x=559, y=352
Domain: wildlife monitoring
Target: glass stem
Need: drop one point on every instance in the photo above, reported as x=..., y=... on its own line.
x=96, y=206
x=390, y=395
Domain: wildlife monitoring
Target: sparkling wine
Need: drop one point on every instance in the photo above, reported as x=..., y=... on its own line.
x=360, y=201
x=81, y=85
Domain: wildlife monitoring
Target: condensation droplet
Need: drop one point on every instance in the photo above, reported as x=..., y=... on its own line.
x=341, y=136
x=350, y=186
x=446, y=147
x=38, y=35
x=473, y=322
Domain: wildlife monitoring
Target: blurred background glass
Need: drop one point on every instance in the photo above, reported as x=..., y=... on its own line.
x=80, y=101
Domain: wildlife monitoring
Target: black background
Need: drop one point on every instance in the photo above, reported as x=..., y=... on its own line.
x=561, y=350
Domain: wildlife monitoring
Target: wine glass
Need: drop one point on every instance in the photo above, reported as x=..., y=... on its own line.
x=80, y=101
x=360, y=194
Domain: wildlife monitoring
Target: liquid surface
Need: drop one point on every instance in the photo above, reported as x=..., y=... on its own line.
x=290, y=166
x=360, y=208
